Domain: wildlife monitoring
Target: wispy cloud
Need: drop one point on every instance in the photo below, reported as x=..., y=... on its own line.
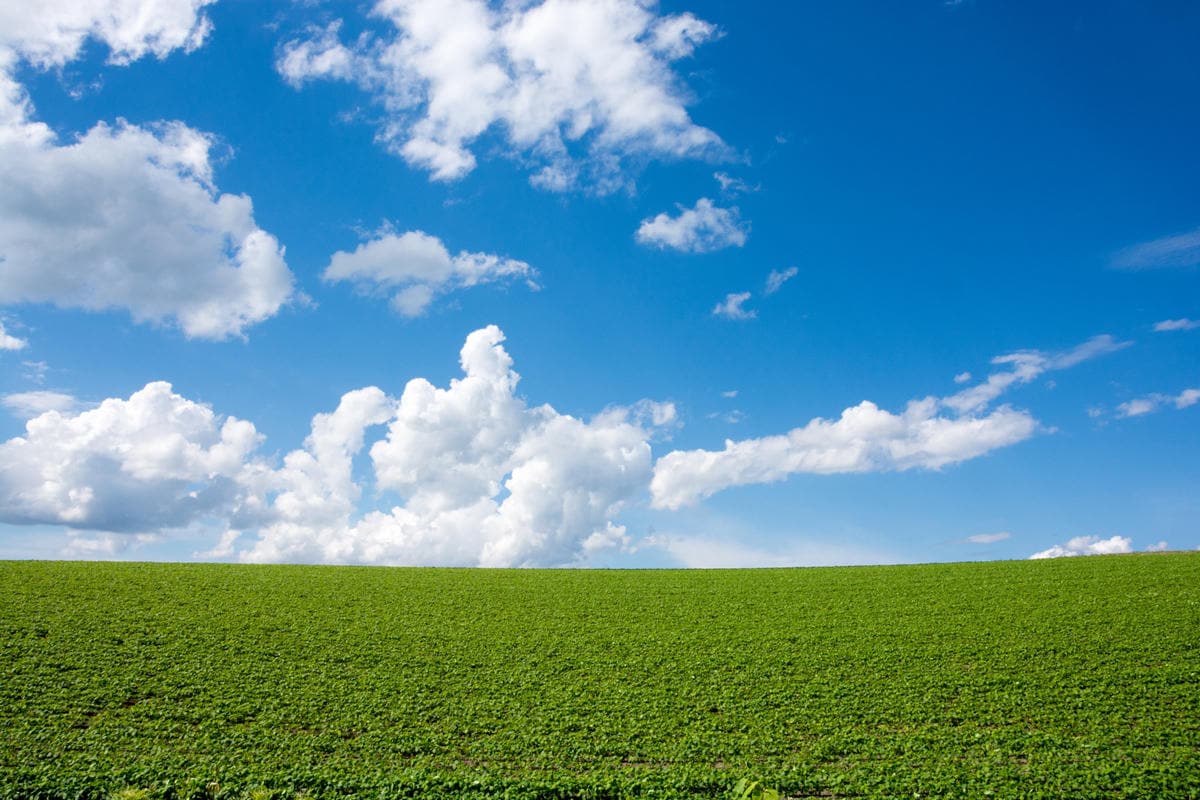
x=1026, y=365
x=1170, y=252
x=1150, y=403
x=35, y=371
x=1176, y=325
x=867, y=438
x=28, y=405
x=778, y=278
x=733, y=307
x=708, y=552
x=988, y=538
x=733, y=186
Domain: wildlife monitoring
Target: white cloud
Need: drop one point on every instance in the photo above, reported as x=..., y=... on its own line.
x=988, y=538
x=701, y=229
x=1138, y=407
x=1026, y=365
x=27, y=405
x=660, y=417
x=778, y=278
x=733, y=186
x=1158, y=547
x=574, y=87
x=1088, y=546
x=732, y=393
x=1176, y=325
x=321, y=56
x=865, y=438
x=1153, y=402
x=733, y=307
x=53, y=35
x=102, y=546
x=128, y=218
x=418, y=267
x=468, y=474
x=10, y=342
x=224, y=547
x=154, y=461
x=484, y=479
x=124, y=216
x=1166, y=253
x=962, y=377
x=709, y=552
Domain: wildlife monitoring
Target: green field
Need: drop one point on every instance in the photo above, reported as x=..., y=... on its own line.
x=1063, y=678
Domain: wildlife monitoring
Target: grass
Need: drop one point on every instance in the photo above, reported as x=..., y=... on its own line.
x=1071, y=677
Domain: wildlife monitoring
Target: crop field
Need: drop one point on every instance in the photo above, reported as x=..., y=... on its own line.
x=1062, y=678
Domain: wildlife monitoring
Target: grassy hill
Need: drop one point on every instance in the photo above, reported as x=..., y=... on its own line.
x=1064, y=678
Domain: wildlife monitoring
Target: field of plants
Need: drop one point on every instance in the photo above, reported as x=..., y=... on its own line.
x=1063, y=678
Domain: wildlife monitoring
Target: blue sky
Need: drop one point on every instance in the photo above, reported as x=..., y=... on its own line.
x=845, y=283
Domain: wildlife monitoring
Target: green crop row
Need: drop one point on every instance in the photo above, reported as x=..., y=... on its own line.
x=1064, y=678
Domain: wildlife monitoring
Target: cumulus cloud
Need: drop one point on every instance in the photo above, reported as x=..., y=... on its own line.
x=777, y=278
x=988, y=538
x=418, y=268
x=1176, y=325
x=575, y=88
x=962, y=377
x=468, y=474
x=1158, y=547
x=153, y=461
x=1088, y=546
x=484, y=479
x=701, y=229
x=54, y=35
x=1154, y=402
x=10, y=342
x=1169, y=252
x=124, y=216
x=733, y=307
x=27, y=405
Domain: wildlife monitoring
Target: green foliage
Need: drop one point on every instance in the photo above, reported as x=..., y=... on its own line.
x=746, y=789
x=1062, y=678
